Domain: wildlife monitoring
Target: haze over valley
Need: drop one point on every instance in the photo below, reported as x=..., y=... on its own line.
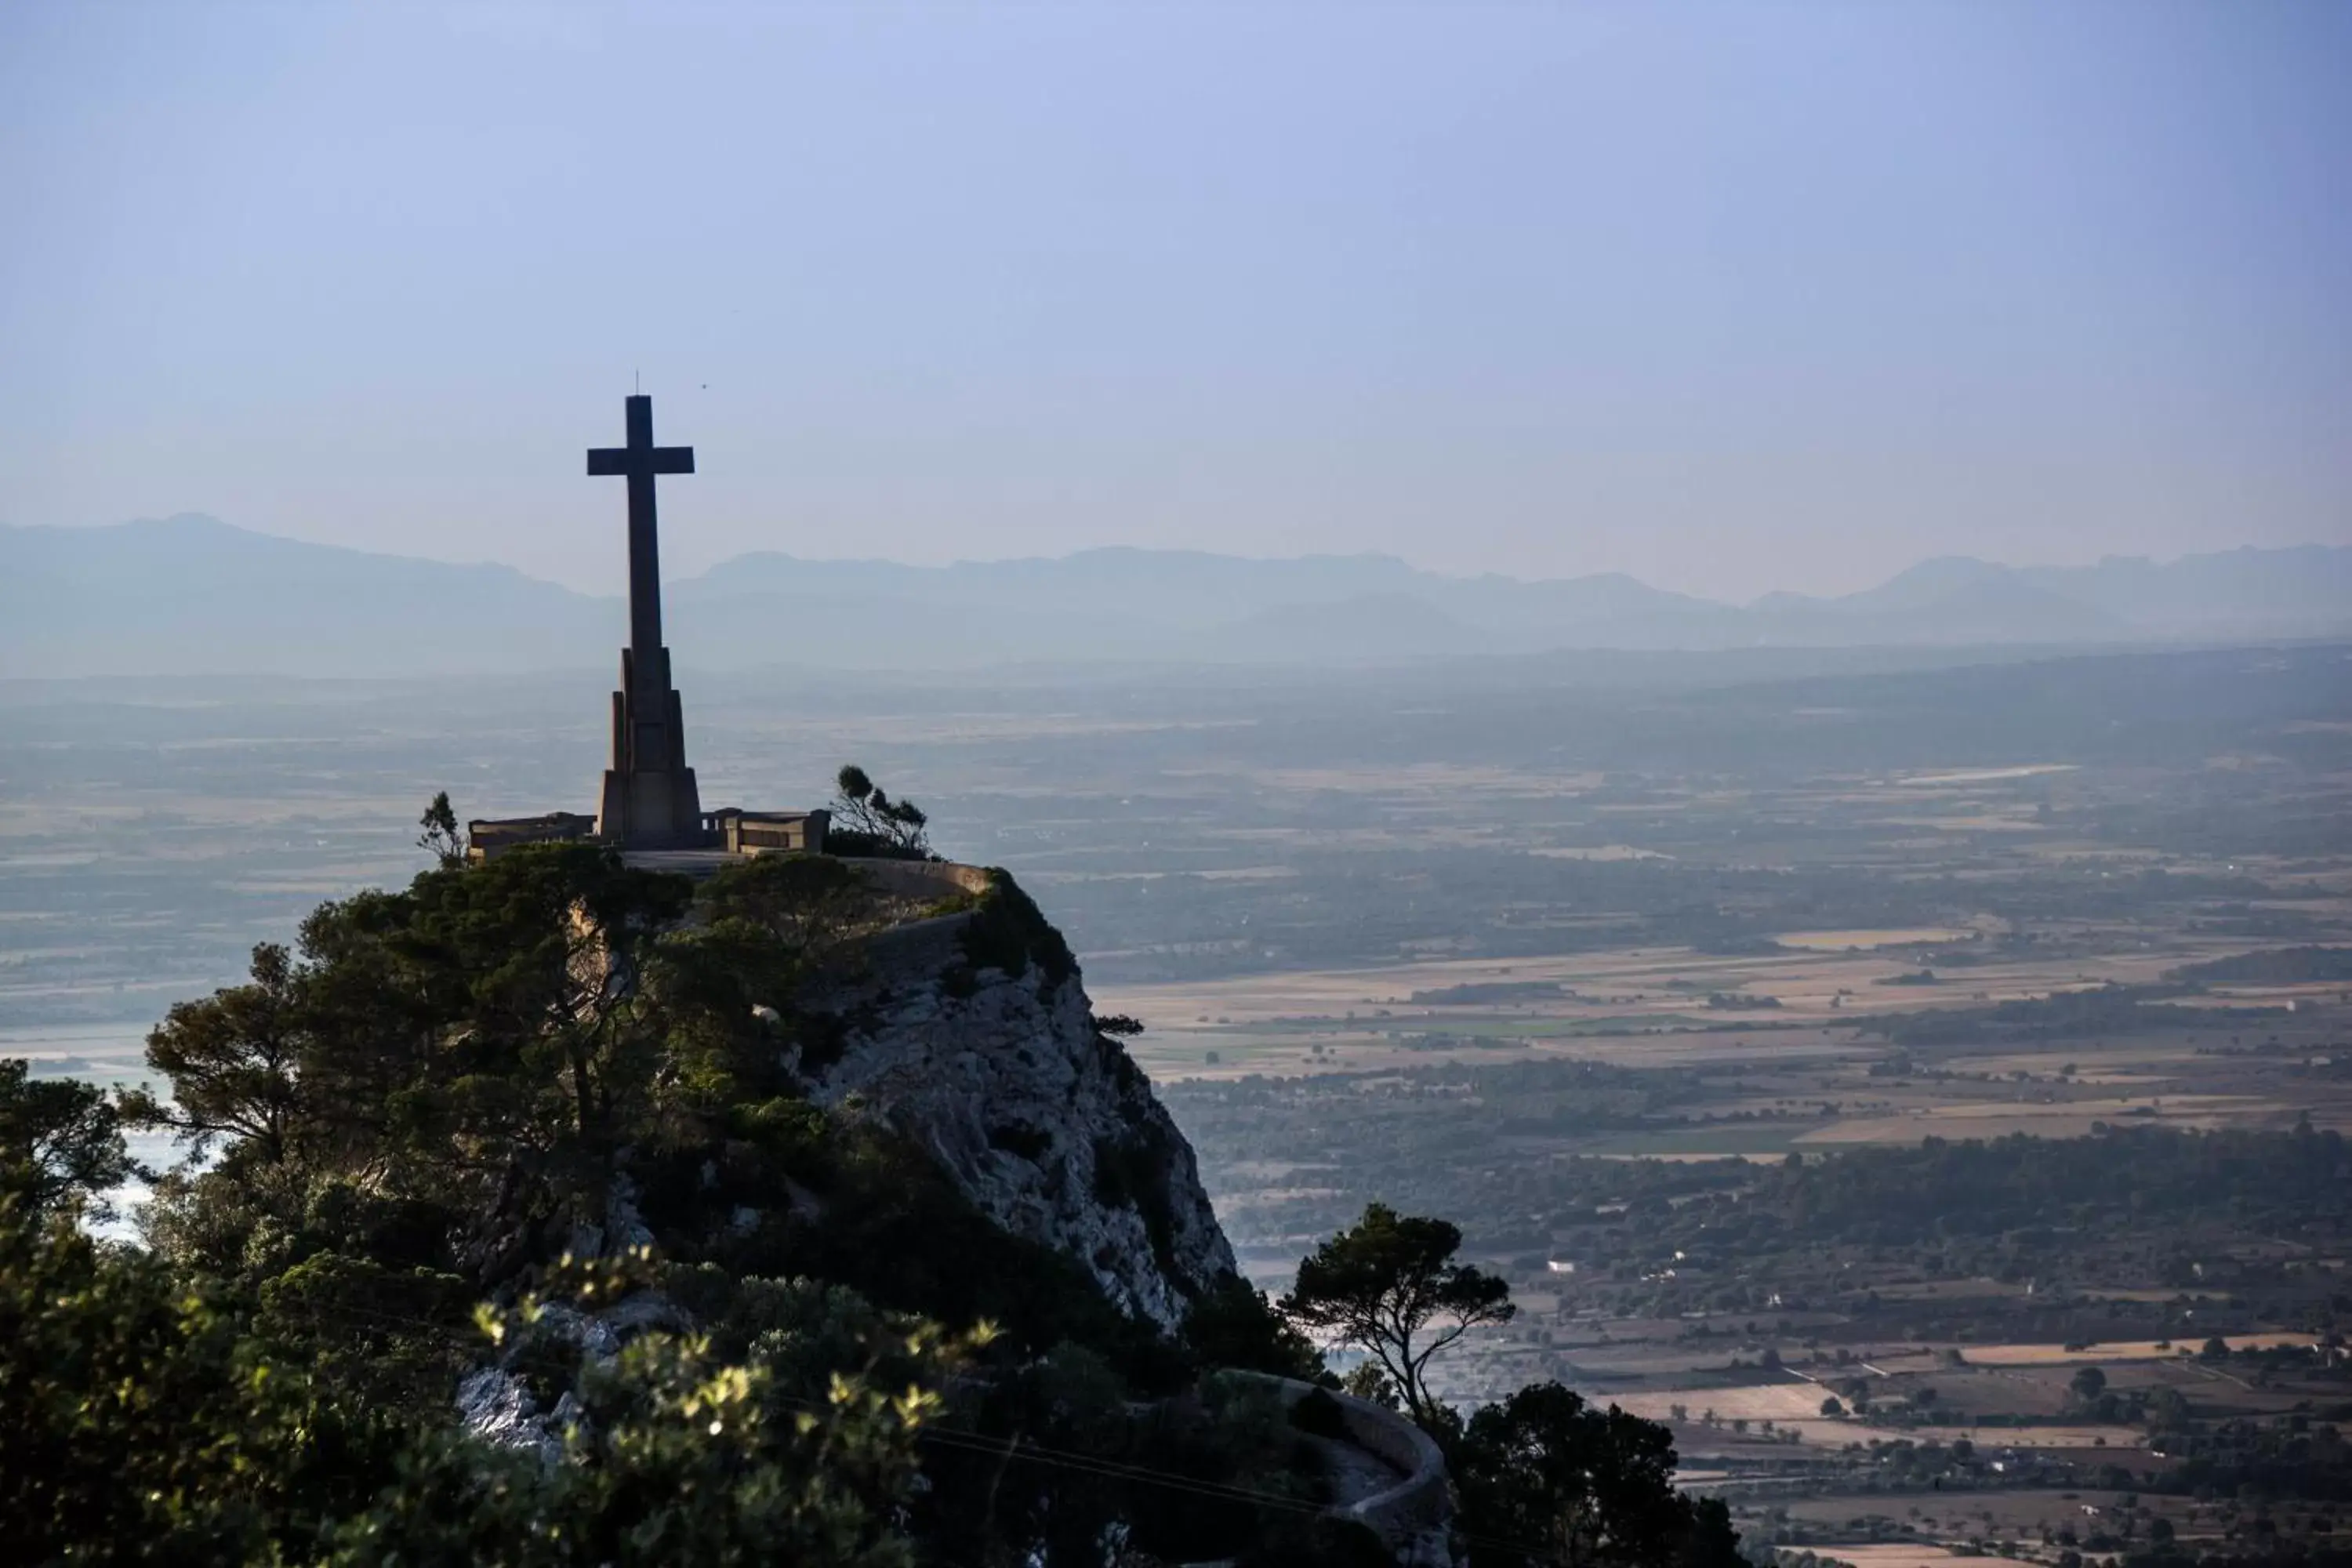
x=193, y=595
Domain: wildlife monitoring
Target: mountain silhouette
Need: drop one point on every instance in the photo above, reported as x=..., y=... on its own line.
x=190, y=594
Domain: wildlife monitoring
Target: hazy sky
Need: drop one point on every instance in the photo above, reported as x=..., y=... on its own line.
x=1733, y=298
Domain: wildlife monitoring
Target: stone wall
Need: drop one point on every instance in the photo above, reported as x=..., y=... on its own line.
x=489, y=837
x=1412, y=1516
x=922, y=879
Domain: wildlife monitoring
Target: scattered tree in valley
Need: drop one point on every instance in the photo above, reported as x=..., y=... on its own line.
x=1389, y=1286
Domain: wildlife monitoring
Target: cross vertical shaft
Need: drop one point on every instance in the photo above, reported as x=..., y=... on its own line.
x=645, y=534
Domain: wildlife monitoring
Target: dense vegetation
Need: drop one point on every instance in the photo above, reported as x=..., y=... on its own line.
x=2278, y=966
x=466, y=1080
x=2104, y=1011
x=2280, y=1183
x=510, y=1234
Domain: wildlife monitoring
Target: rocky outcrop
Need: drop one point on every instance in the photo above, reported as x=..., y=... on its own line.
x=496, y=1406
x=967, y=1033
x=971, y=1034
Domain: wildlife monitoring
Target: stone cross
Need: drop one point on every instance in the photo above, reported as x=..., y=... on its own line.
x=649, y=800
x=640, y=460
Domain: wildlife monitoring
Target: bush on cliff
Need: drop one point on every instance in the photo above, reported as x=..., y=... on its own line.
x=149, y=1420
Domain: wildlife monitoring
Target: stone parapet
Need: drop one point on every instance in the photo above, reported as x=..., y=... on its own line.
x=1409, y=1517
x=920, y=878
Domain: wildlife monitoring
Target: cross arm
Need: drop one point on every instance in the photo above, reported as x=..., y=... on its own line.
x=623, y=460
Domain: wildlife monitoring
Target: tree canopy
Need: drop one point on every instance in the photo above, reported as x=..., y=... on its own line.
x=1576, y=1486
x=1389, y=1286
x=146, y=1421
x=60, y=1143
x=867, y=820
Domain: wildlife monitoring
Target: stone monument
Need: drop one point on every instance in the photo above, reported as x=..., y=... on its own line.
x=650, y=809
x=649, y=800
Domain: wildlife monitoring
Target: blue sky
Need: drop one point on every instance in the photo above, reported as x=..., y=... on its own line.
x=1734, y=297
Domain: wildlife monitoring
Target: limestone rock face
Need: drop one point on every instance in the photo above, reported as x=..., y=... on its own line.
x=990, y=1060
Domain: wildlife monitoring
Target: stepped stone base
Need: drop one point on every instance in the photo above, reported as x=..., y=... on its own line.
x=647, y=810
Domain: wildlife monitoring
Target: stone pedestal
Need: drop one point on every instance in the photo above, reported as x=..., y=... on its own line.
x=649, y=800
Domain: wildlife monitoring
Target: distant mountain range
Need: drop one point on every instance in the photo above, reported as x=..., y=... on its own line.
x=190, y=594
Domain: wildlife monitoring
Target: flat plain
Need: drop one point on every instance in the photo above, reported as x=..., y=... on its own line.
x=1579, y=952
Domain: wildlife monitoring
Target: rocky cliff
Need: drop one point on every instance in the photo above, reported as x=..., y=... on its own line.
x=952, y=1023
x=970, y=1032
